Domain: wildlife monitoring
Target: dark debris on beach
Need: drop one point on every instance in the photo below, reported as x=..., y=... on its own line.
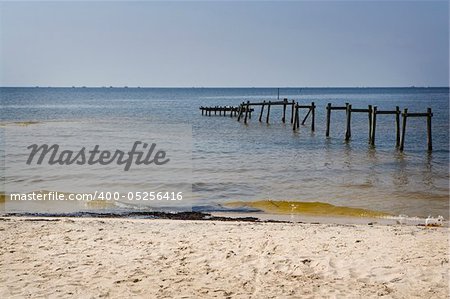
x=145, y=215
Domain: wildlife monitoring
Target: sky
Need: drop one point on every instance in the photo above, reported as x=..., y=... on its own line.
x=224, y=44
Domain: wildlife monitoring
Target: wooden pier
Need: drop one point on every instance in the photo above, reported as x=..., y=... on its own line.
x=222, y=110
x=285, y=104
x=246, y=106
x=245, y=109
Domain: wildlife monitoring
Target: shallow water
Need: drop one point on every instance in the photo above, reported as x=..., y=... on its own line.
x=232, y=161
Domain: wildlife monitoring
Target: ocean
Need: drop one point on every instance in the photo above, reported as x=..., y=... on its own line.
x=234, y=162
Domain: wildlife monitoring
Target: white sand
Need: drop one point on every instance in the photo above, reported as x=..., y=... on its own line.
x=121, y=258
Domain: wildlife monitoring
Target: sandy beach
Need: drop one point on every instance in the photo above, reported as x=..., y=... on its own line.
x=122, y=258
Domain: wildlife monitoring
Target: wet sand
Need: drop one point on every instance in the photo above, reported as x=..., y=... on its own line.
x=122, y=258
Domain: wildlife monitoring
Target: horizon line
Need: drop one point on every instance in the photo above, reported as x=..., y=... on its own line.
x=211, y=87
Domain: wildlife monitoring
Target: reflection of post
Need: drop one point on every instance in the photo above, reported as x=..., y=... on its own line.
x=404, y=115
x=262, y=110
x=328, y=119
x=430, y=143
x=348, y=133
x=397, y=124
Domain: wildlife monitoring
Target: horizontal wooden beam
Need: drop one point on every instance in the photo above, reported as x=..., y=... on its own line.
x=387, y=112
x=337, y=108
x=417, y=114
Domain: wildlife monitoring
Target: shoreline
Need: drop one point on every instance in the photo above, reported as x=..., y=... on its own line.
x=159, y=258
x=256, y=217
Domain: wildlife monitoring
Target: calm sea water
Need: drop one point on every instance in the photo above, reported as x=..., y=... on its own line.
x=237, y=162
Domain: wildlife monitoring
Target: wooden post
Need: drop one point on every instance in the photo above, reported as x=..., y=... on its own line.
x=246, y=112
x=328, y=119
x=210, y=111
x=262, y=110
x=397, y=125
x=374, y=125
x=297, y=116
x=404, y=115
x=294, y=124
x=348, y=132
x=241, y=108
x=370, y=123
x=430, y=143
x=268, y=113
x=313, y=119
x=292, y=111
x=283, y=119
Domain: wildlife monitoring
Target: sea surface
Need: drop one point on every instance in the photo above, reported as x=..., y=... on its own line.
x=233, y=161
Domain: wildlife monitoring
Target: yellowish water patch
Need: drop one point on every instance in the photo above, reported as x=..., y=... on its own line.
x=310, y=208
x=19, y=123
x=26, y=123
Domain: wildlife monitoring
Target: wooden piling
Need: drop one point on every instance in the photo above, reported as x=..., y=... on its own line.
x=397, y=125
x=262, y=111
x=404, y=116
x=297, y=116
x=313, y=115
x=292, y=111
x=374, y=125
x=327, y=134
x=283, y=119
x=430, y=143
x=268, y=112
x=241, y=107
x=294, y=124
x=246, y=112
x=348, y=132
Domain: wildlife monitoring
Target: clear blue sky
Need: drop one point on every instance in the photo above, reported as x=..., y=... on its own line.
x=185, y=44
